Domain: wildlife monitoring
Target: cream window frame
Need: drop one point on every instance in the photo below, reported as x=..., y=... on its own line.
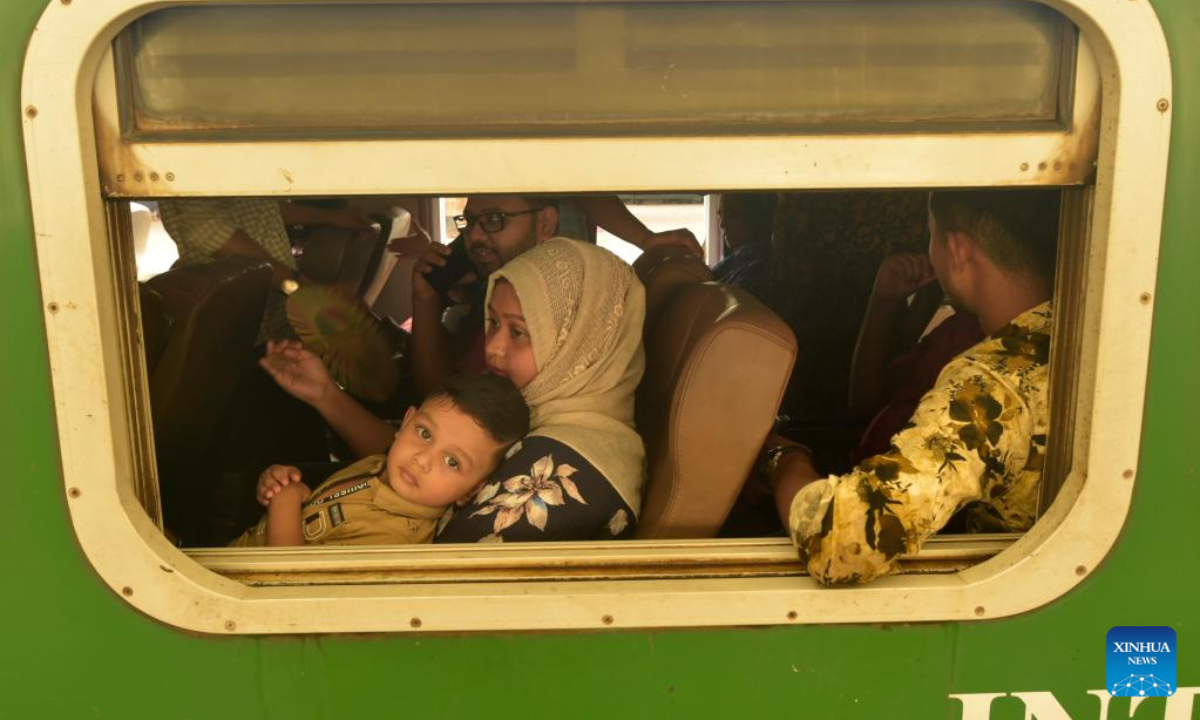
x=100, y=403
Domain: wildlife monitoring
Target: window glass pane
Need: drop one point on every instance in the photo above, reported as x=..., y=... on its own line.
x=448, y=70
x=660, y=212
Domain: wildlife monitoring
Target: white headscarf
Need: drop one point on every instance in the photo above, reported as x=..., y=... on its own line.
x=584, y=308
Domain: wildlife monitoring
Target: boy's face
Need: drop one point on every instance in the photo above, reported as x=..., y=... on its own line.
x=440, y=454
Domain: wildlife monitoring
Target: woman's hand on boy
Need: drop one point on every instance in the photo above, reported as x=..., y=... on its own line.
x=299, y=372
x=274, y=479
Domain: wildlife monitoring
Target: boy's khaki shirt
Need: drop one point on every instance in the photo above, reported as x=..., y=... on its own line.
x=367, y=511
x=976, y=442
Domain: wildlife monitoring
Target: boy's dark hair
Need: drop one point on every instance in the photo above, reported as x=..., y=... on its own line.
x=492, y=401
x=1017, y=229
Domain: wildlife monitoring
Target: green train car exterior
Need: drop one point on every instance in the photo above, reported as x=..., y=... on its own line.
x=77, y=644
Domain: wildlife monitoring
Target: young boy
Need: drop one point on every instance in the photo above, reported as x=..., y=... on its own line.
x=442, y=452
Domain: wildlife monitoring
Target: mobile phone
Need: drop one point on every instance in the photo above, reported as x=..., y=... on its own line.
x=458, y=263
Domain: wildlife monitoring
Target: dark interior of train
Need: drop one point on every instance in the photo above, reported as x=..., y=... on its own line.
x=792, y=271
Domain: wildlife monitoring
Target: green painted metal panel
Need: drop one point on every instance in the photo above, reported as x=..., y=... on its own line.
x=71, y=649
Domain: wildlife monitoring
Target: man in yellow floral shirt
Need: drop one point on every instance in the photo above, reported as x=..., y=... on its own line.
x=976, y=442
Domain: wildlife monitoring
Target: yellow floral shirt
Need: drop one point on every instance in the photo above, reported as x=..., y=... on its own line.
x=976, y=443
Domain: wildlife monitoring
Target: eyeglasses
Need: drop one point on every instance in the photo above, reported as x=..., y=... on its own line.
x=491, y=222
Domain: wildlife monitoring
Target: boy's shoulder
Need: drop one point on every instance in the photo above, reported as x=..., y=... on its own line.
x=372, y=465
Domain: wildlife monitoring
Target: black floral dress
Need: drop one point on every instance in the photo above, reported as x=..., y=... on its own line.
x=543, y=491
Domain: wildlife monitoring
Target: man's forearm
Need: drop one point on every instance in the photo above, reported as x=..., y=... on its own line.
x=610, y=213
x=793, y=471
x=240, y=244
x=871, y=355
x=362, y=430
x=432, y=360
x=294, y=213
x=302, y=214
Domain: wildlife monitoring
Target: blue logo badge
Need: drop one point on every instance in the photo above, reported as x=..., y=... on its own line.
x=1141, y=662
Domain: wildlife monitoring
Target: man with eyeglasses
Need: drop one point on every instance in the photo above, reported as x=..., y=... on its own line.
x=496, y=229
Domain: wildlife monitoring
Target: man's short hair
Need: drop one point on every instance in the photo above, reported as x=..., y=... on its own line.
x=756, y=208
x=492, y=401
x=540, y=202
x=761, y=205
x=1016, y=229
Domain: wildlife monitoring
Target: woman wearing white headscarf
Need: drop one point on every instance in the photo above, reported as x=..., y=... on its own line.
x=564, y=323
x=579, y=474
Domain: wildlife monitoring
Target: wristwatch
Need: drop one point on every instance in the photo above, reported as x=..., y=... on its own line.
x=771, y=458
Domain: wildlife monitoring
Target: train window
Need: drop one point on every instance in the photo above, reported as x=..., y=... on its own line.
x=595, y=69
x=318, y=100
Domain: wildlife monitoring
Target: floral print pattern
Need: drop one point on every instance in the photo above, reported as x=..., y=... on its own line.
x=618, y=522
x=544, y=491
x=529, y=496
x=975, y=446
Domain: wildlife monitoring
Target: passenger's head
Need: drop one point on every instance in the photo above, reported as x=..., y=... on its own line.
x=564, y=323
x=747, y=218
x=501, y=227
x=455, y=439
x=508, y=349
x=979, y=235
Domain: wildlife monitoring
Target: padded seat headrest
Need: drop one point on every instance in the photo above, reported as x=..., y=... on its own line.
x=215, y=312
x=664, y=271
x=717, y=363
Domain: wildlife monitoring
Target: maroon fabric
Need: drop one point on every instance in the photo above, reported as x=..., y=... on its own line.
x=474, y=360
x=913, y=374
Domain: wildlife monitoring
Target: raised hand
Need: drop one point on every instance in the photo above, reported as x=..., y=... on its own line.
x=681, y=237
x=901, y=275
x=434, y=256
x=299, y=372
x=412, y=245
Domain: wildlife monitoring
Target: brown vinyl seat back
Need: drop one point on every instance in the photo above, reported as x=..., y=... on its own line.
x=215, y=311
x=664, y=271
x=717, y=364
x=337, y=256
x=155, y=324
